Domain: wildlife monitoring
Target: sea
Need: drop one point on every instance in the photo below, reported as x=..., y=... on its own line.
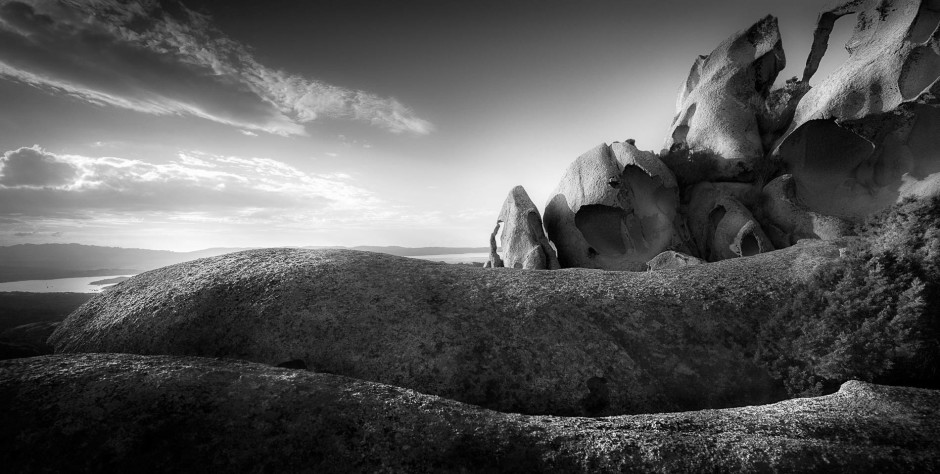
x=85, y=284
x=60, y=285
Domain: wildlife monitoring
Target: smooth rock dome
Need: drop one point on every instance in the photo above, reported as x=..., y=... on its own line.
x=514, y=340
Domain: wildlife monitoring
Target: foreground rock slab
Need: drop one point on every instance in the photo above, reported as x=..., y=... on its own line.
x=565, y=342
x=128, y=413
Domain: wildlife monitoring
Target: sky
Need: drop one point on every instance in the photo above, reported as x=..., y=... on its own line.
x=195, y=124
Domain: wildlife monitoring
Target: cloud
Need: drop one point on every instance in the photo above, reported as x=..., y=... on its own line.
x=34, y=167
x=158, y=57
x=49, y=185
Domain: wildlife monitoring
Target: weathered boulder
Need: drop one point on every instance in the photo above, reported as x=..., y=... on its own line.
x=495, y=261
x=866, y=137
x=791, y=221
x=562, y=342
x=721, y=225
x=122, y=413
x=716, y=133
x=27, y=340
x=614, y=209
x=670, y=260
x=523, y=242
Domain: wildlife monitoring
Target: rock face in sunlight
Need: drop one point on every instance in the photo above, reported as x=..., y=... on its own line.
x=238, y=416
x=867, y=135
x=719, y=108
x=574, y=342
x=523, y=241
x=615, y=208
x=749, y=167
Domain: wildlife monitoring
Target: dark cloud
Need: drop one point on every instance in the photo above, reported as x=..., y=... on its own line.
x=34, y=167
x=162, y=58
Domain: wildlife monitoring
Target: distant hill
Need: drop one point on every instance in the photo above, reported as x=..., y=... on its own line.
x=415, y=251
x=49, y=261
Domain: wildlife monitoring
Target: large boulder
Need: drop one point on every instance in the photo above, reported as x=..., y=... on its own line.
x=717, y=131
x=129, y=413
x=615, y=208
x=721, y=225
x=562, y=342
x=523, y=241
x=866, y=137
x=789, y=220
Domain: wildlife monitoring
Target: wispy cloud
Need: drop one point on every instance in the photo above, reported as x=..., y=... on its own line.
x=162, y=58
x=37, y=183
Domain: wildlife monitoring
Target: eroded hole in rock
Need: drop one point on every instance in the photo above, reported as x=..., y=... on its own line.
x=680, y=133
x=832, y=54
x=924, y=142
x=766, y=72
x=928, y=20
x=833, y=169
x=920, y=69
x=601, y=227
x=598, y=397
x=297, y=364
x=714, y=219
x=654, y=208
x=749, y=245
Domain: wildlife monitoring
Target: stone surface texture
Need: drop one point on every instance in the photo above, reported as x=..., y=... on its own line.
x=512, y=340
x=791, y=220
x=719, y=107
x=130, y=413
x=614, y=209
x=523, y=240
x=721, y=225
x=866, y=136
x=670, y=260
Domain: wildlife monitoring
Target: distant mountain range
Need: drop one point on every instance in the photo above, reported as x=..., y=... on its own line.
x=49, y=261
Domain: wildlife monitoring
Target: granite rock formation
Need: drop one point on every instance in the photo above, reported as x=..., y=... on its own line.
x=615, y=208
x=747, y=167
x=790, y=219
x=123, y=413
x=550, y=342
x=523, y=241
x=867, y=136
x=720, y=105
x=721, y=226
